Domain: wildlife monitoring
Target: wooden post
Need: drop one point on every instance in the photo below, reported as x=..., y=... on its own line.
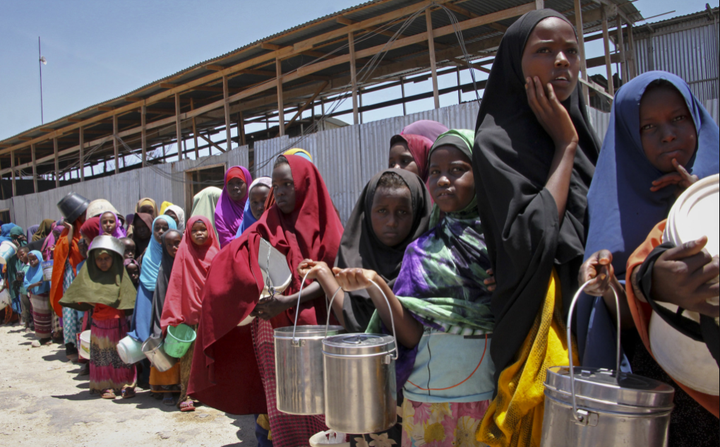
x=226, y=104
x=82, y=154
x=194, y=128
x=241, y=129
x=581, y=47
x=623, y=54
x=12, y=168
x=115, y=144
x=281, y=105
x=632, y=68
x=360, y=101
x=606, y=43
x=539, y=4
x=57, y=163
x=402, y=93
x=431, y=52
x=353, y=77
x=143, y=134
x=178, y=127
x=34, y=166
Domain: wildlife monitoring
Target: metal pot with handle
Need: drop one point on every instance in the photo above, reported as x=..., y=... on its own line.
x=598, y=407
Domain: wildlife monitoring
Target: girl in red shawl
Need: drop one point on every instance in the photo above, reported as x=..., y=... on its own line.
x=183, y=300
x=227, y=373
x=410, y=149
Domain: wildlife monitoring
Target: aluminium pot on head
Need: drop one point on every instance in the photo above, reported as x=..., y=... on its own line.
x=105, y=242
x=72, y=206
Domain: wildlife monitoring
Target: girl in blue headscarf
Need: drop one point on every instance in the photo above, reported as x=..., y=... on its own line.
x=38, y=290
x=660, y=140
x=255, y=205
x=142, y=315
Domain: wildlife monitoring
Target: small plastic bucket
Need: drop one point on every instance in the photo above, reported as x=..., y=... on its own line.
x=330, y=437
x=130, y=350
x=5, y=299
x=84, y=345
x=47, y=268
x=178, y=340
x=7, y=249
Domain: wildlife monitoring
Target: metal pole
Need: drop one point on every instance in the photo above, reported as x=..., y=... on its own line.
x=42, y=118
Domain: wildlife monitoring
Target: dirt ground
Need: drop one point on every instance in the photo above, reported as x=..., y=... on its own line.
x=43, y=402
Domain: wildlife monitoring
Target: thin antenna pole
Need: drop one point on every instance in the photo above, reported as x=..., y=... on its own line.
x=42, y=118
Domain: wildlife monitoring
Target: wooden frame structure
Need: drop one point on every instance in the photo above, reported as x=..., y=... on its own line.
x=290, y=72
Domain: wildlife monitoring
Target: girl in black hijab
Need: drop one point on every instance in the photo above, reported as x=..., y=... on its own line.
x=534, y=158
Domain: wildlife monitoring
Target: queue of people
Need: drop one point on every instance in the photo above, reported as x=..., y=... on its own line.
x=478, y=239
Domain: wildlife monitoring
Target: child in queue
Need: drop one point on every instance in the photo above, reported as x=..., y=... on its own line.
x=660, y=141
x=110, y=225
x=183, y=300
x=103, y=286
x=38, y=289
x=129, y=248
x=440, y=304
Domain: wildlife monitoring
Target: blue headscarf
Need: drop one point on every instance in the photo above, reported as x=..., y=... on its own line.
x=35, y=274
x=622, y=208
x=5, y=231
x=153, y=256
x=248, y=218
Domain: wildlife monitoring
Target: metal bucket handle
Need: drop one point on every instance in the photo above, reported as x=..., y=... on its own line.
x=580, y=414
x=392, y=319
x=297, y=308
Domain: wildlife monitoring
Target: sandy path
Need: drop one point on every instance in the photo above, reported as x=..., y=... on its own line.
x=44, y=403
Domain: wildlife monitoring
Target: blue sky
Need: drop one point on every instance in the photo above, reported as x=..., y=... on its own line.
x=98, y=50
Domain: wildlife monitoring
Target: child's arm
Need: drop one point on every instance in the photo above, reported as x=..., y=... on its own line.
x=409, y=330
x=71, y=232
x=320, y=272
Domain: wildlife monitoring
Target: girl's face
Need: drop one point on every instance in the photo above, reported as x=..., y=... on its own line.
x=199, y=233
x=284, y=187
x=667, y=130
x=104, y=261
x=258, y=196
x=23, y=255
x=451, y=181
x=133, y=272
x=129, y=252
x=161, y=227
x=141, y=229
x=34, y=261
x=172, y=214
x=402, y=158
x=236, y=188
x=392, y=215
x=108, y=223
x=148, y=209
x=551, y=54
x=172, y=242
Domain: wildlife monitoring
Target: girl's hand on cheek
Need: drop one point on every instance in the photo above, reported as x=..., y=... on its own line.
x=490, y=282
x=684, y=276
x=552, y=115
x=681, y=178
x=354, y=279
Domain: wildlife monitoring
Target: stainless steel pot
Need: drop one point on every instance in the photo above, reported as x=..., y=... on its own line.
x=152, y=348
x=299, y=368
x=599, y=407
x=360, y=387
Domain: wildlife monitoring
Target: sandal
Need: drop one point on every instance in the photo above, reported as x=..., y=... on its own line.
x=108, y=394
x=188, y=405
x=128, y=393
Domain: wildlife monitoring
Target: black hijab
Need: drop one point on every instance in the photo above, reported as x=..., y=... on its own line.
x=511, y=163
x=141, y=244
x=161, y=287
x=360, y=247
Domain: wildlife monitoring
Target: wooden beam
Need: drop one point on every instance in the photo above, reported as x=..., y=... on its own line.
x=168, y=85
x=632, y=67
x=14, y=173
x=115, y=144
x=105, y=108
x=226, y=105
x=57, y=162
x=133, y=98
x=431, y=53
x=353, y=78
x=215, y=67
x=143, y=135
x=269, y=46
x=194, y=130
x=34, y=168
x=305, y=106
x=600, y=60
x=178, y=126
x=241, y=129
x=581, y=47
x=606, y=44
x=281, y=105
x=81, y=155
x=211, y=142
x=75, y=120
x=621, y=46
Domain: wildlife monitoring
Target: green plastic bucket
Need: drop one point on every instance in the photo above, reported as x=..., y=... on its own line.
x=178, y=340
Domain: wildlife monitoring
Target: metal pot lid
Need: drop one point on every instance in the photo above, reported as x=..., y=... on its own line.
x=105, y=242
x=600, y=384
x=359, y=344
x=314, y=331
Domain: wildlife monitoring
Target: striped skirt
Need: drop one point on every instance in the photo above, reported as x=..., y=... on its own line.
x=42, y=315
x=107, y=370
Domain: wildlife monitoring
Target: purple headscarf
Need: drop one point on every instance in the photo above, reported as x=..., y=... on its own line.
x=229, y=213
x=427, y=128
x=119, y=230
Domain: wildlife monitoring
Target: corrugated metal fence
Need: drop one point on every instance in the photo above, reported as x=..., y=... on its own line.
x=347, y=158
